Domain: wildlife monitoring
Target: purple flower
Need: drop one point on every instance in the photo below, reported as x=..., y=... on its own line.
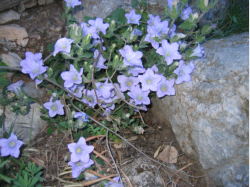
x=33, y=65
x=89, y=30
x=198, y=51
x=97, y=41
x=113, y=184
x=30, y=55
x=150, y=37
x=54, y=107
x=149, y=80
x=100, y=63
x=139, y=96
x=132, y=101
x=104, y=89
x=72, y=76
x=78, y=167
x=131, y=58
x=127, y=82
x=159, y=28
x=172, y=31
x=183, y=72
x=80, y=151
x=76, y=90
x=135, y=70
x=10, y=146
x=152, y=19
x=82, y=116
x=114, y=93
x=62, y=45
x=169, y=51
x=137, y=32
x=191, y=64
x=165, y=87
x=186, y=12
x=15, y=87
x=39, y=81
x=183, y=45
x=72, y=3
x=100, y=26
x=133, y=18
x=90, y=98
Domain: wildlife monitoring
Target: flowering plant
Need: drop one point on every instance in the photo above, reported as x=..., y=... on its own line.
x=114, y=66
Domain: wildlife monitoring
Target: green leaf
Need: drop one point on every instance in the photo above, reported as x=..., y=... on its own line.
x=50, y=130
x=50, y=47
x=143, y=46
x=3, y=71
x=87, y=55
x=3, y=82
x=33, y=182
x=200, y=39
x=6, y=179
x=64, y=15
x=119, y=16
x=186, y=25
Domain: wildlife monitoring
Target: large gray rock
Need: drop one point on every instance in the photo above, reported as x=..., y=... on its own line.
x=8, y=16
x=22, y=123
x=209, y=115
x=14, y=32
x=11, y=59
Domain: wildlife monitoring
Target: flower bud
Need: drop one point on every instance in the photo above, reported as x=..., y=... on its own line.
x=90, y=66
x=135, y=47
x=71, y=122
x=112, y=25
x=50, y=72
x=86, y=40
x=40, y=77
x=12, y=108
x=113, y=46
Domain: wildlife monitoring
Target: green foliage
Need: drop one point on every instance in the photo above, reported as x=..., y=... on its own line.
x=29, y=177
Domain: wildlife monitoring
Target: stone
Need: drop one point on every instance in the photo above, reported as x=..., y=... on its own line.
x=30, y=3
x=8, y=16
x=14, y=32
x=45, y=2
x=209, y=115
x=169, y=156
x=30, y=90
x=22, y=123
x=11, y=59
x=7, y=4
x=141, y=172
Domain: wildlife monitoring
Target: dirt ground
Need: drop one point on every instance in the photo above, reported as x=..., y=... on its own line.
x=44, y=26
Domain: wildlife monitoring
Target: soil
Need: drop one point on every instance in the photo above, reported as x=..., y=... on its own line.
x=44, y=26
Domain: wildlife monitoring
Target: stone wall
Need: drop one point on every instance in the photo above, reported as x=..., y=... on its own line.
x=210, y=114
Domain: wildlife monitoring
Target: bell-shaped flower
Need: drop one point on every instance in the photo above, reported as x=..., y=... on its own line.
x=133, y=17
x=62, y=45
x=100, y=26
x=54, y=107
x=10, y=146
x=155, y=70
x=101, y=60
x=72, y=76
x=90, y=98
x=165, y=87
x=72, y=3
x=104, y=89
x=135, y=70
x=159, y=28
x=150, y=37
x=149, y=80
x=152, y=19
x=76, y=90
x=78, y=167
x=169, y=51
x=186, y=12
x=131, y=57
x=113, y=184
x=96, y=42
x=139, y=96
x=33, y=65
x=199, y=51
x=172, y=31
x=82, y=116
x=89, y=30
x=114, y=93
x=183, y=71
x=80, y=151
x=132, y=101
x=137, y=32
x=127, y=82
x=15, y=87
